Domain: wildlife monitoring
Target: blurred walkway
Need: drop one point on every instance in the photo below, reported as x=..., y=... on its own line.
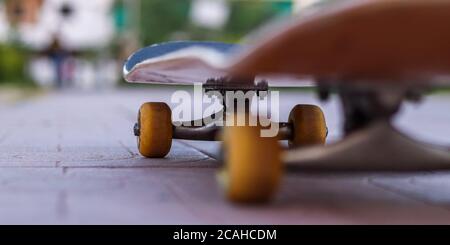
x=71, y=158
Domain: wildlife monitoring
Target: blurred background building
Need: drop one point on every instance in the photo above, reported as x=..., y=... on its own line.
x=83, y=43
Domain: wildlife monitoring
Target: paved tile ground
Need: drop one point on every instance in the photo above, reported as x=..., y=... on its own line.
x=70, y=158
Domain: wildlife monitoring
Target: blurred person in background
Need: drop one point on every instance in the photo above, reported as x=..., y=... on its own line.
x=62, y=36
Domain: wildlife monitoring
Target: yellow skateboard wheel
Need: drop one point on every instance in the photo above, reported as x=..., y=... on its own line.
x=308, y=125
x=253, y=166
x=155, y=130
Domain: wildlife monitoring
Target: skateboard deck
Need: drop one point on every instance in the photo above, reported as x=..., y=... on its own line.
x=190, y=62
x=381, y=40
x=183, y=62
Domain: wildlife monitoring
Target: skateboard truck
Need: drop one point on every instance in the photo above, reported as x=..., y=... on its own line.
x=371, y=143
x=209, y=132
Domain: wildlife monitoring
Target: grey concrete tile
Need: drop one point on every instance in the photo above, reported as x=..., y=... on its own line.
x=313, y=199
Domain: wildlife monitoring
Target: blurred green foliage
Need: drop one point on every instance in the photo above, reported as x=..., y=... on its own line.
x=163, y=20
x=12, y=64
x=247, y=15
x=160, y=18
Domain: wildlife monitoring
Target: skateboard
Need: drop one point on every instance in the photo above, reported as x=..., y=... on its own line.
x=373, y=54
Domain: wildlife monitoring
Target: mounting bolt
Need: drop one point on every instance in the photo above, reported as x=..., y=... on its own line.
x=137, y=129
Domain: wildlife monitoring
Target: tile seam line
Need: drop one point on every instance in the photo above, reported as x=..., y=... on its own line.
x=403, y=194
